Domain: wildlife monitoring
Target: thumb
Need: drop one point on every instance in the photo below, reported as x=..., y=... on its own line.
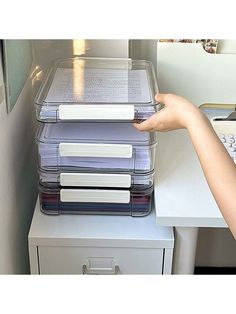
x=160, y=98
x=147, y=125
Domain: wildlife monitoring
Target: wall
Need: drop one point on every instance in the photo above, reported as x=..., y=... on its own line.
x=144, y=49
x=18, y=177
x=226, y=46
x=48, y=50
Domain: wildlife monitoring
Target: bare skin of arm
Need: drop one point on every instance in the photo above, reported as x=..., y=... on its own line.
x=218, y=166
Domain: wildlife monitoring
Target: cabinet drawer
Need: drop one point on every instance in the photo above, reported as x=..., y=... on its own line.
x=93, y=260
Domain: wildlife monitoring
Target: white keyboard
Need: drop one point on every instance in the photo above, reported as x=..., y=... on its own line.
x=226, y=130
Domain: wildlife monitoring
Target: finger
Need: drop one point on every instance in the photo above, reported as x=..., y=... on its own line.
x=146, y=125
x=160, y=98
x=142, y=129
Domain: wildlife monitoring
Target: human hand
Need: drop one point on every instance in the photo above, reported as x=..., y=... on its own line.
x=178, y=113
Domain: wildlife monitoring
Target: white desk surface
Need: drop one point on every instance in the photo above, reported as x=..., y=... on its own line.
x=182, y=196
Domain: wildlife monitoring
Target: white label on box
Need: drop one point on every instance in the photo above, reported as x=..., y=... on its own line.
x=96, y=112
x=95, y=150
x=95, y=196
x=95, y=180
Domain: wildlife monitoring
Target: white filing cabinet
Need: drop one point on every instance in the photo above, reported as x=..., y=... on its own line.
x=93, y=244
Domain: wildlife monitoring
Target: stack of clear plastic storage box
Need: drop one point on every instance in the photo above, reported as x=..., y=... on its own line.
x=91, y=159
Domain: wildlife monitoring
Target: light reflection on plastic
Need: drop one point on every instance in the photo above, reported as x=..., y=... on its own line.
x=79, y=48
x=36, y=75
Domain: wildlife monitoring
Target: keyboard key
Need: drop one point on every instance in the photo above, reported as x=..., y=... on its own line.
x=221, y=136
x=231, y=149
x=230, y=140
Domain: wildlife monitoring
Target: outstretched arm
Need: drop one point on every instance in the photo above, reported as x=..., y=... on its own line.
x=218, y=167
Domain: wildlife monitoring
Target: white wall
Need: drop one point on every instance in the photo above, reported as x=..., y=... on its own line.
x=144, y=49
x=226, y=46
x=17, y=180
x=48, y=50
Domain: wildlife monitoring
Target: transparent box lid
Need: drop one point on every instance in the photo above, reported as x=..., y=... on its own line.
x=106, y=133
x=97, y=89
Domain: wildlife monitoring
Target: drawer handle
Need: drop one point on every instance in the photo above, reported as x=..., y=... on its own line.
x=100, y=271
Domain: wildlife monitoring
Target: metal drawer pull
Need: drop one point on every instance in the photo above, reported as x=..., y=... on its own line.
x=100, y=271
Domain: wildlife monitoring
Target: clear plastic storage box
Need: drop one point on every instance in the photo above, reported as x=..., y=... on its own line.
x=95, y=147
x=97, y=89
x=95, y=201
